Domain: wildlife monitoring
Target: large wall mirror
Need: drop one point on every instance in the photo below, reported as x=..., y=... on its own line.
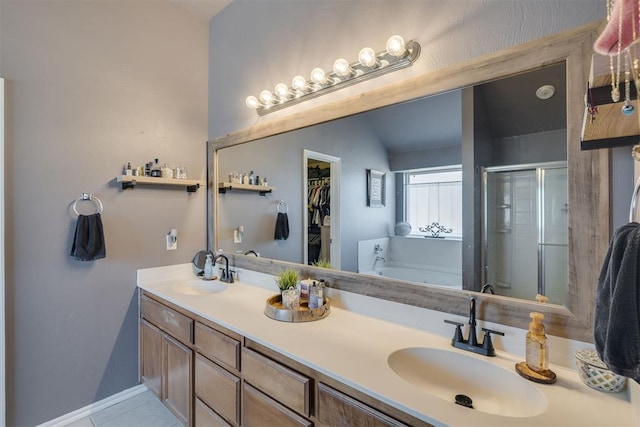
x=517, y=198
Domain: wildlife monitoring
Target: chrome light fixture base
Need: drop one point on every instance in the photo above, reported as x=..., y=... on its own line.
x=385, y=63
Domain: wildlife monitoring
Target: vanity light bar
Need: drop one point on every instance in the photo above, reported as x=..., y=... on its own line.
x=397, y=55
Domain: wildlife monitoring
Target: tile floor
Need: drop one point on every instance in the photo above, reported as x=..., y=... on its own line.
x=141, y=410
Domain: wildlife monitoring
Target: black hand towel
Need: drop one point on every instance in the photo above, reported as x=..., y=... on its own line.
x=282, y=227
x=617, y=315
x=88, y=241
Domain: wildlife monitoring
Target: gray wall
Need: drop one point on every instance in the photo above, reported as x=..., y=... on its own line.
x=279, y=158
x=90, y=86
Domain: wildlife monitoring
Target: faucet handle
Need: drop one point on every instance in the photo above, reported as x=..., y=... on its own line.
x=487, y=344
x=490, y=331
x=457, y=337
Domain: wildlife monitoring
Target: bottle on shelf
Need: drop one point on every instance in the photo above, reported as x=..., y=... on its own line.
x=156, y=170
x=252, y=178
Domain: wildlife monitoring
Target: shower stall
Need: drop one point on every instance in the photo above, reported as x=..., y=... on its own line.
x=525, y=230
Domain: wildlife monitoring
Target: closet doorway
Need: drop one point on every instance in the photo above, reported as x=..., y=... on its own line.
x=321, y=198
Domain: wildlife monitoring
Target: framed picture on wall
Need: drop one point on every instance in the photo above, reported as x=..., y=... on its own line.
x=375, y=188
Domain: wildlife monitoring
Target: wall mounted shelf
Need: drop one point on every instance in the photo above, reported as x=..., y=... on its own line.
x=223, y=187
x=129, y=181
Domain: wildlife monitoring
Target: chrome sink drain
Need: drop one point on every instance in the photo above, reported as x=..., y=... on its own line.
x=464, y=400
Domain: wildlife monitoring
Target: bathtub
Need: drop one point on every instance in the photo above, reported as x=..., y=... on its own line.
x=419, y=275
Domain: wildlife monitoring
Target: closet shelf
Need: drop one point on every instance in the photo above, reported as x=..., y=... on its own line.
x=223, y=187
x=129, y=181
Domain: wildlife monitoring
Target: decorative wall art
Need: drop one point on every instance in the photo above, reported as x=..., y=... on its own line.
x=375, y=188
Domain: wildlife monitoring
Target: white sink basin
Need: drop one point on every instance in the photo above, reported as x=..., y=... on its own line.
x=199, y=287
x=446, y=374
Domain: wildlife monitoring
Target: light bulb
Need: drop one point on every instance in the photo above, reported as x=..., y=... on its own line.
x=367, y=57
x=266, y=97
x=318, y=76
x=342, y=68
x=396, y=46
x=281, y=90
x=252, y=102
x=299, y=83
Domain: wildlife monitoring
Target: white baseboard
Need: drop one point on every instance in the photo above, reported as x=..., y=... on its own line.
x=95, y=407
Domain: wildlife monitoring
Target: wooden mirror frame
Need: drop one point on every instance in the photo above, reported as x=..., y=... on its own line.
x=588, y=182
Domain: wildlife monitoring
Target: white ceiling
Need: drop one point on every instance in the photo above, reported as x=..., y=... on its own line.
x=206, y=9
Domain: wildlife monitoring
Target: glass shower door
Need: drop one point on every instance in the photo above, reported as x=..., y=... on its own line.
x=525, y=231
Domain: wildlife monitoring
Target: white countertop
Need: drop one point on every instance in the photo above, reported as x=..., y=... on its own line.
x=353, y=349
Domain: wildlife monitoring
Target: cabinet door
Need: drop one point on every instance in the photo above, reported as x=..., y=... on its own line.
x=218, y=389
x=177, y=385
x=338, y=409
x=258, y=410
x=151, y=357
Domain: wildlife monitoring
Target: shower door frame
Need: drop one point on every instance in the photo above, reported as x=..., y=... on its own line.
x=538, y=168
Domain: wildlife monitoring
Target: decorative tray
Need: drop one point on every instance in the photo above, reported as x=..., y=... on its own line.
x=275, y=310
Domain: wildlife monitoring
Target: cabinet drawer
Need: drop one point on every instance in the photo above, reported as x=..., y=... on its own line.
x=261, y=411
x=338, y=409
x=175, y=324
x=217, y=346
x=283, y=384
x=205, y=417
x=218, y=388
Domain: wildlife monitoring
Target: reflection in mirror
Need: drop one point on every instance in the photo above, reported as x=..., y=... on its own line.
x=321, y=219
x=422, y=149
x=587, y=181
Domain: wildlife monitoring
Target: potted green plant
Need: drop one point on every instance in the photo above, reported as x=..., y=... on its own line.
x=287, y=279
x=322, y=263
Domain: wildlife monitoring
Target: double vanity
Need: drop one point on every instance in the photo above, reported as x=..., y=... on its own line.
x=208, y=351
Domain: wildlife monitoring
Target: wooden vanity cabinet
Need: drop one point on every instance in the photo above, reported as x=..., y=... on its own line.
x=209, y=376
x=166, y=360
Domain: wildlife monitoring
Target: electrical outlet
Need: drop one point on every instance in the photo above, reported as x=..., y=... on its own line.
x=172, y=243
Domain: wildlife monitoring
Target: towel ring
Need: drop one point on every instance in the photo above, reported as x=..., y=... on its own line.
x=88, y=197
x=286, y=207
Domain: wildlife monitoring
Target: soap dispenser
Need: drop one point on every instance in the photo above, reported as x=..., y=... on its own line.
x=536, y=345
x=536, y=367
x=208, y=268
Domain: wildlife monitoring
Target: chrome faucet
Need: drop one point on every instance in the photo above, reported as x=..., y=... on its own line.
x=378, y=258
x=471, y=343
x=226, y=275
